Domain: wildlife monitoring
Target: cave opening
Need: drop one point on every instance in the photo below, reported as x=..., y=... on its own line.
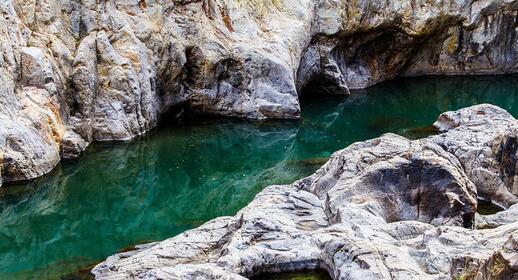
x=319, y=86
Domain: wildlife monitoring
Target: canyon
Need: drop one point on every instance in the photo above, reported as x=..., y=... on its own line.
x=76, y=72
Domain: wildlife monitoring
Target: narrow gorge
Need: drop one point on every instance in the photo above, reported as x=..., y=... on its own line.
x=74, y=72
x=221, y=98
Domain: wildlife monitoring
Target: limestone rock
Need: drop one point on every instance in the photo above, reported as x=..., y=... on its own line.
x=397, y=179
x=387, y=208
x=486, y=149
x=116, y=67
x=36, y=69
x=501, y=218
x=31, y=141
x=501, y=265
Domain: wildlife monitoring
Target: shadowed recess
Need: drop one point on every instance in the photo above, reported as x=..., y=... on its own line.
x=485, y=207
x=303, y=275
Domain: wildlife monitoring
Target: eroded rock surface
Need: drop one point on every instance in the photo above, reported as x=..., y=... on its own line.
x=486, y=149
x=110, y=69
x=386, y=208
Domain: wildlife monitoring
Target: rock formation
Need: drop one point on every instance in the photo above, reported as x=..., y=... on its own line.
x=486, y=150
x=77, y=71
x=386, y=208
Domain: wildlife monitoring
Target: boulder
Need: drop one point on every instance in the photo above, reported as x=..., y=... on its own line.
x=30, y=141
x=486, y=149
x=397, y=179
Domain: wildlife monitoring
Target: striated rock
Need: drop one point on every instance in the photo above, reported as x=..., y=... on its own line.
x=36, y=70
x=31, y=140
x=501, y=265
x=115, y=67
x=387, y=208
x=364, y=42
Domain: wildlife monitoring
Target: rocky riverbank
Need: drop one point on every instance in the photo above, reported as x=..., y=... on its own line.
x=386, y=208
x=77, y=71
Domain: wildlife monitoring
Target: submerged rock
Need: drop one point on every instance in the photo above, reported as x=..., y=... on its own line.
x=387, y=208
x=113, y=68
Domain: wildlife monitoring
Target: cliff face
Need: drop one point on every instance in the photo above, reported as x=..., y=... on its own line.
x=77, y=71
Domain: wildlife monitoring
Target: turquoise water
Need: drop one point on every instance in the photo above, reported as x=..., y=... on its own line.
x=304, y=275
x=181, y=175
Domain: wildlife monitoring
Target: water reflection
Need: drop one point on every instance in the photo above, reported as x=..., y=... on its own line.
x=180, y=176
x=149, y=189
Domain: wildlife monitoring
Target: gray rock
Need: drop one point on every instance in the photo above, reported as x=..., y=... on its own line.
x=486, y=150
x=501, y=265
x=30, y=141
x=501, y=218
x=397, y=179
x=36, y=69
x=387, y=208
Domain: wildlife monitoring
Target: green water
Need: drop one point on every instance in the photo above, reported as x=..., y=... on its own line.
x=181, y=175
x=485, y=207
x=305, y=275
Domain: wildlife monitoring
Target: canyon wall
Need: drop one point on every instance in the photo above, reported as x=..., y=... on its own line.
x=77, y=71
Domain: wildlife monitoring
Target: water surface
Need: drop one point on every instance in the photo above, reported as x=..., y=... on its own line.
x=181, y=175
x=304, y=275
